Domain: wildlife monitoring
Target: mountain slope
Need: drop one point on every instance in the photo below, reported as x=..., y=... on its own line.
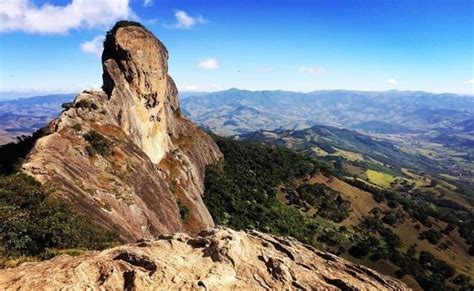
x=126, y=155
x=410, y=230
x=331, y=139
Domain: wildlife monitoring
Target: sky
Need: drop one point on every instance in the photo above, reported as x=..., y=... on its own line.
x=54, y=46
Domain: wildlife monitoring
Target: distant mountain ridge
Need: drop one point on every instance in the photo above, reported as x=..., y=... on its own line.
x=25, y=115
x=237, y=111
x=403, y=110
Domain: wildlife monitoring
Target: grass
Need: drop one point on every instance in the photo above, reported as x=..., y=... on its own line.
x=379, y=178
x=351, y=156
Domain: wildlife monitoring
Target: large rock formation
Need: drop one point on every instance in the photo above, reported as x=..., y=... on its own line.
x=126, y=155
x=217, y=259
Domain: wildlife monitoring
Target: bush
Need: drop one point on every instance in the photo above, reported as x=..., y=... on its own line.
x=86, y=104
x=431, y=235
x=359, y=250
x=183, y=210
x=33, y=221
x=390, y=218
x=98, y=144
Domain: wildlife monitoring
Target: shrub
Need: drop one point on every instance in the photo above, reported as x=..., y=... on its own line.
x=33, y=221
x=431, y=235
x=359, y=250
x=86, y=104
x=77, y=127
x=390, y=218
x=183, y=210
x=98, y=144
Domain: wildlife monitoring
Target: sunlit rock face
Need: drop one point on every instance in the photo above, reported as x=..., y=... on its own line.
x=217, y=259
x=126, y=155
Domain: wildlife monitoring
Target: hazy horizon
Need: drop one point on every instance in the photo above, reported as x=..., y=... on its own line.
x=12, y=95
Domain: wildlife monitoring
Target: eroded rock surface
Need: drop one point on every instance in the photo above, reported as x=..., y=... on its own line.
x=126, y=155
x=216, y=259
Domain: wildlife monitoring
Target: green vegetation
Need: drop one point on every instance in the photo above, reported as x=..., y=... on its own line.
x=379, y=178
x=86, y=104
x=183, y=210
x=77, y=127
x=241, y=192
x=34, y=223
x=431, y=235
x=98, y=144
x=423, y=207
x=328, y=203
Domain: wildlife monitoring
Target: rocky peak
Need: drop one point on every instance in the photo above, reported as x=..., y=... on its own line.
x=135, y=79
x=126, y=155
x=217, y=259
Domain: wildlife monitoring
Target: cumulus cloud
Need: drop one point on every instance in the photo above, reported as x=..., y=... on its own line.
x=147, y=3
x=24, y=15
x=185, y=21
x=94, y=46
x=312, y=70
x=392, y=82
x=209, y=64
x=469, y=81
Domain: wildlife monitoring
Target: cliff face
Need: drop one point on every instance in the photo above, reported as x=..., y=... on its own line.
x=126, y=155
x=217, y=259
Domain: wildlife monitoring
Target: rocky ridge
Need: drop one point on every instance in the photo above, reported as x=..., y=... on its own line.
x=125, y=154
x=216, y=259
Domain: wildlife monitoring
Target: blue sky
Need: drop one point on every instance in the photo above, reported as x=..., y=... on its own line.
x=53, y=46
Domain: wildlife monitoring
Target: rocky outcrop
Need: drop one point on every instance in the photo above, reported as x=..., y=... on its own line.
x=216, y=259
x=126, y=155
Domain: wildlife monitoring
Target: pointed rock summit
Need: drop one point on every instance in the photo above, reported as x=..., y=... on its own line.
x=126, y=155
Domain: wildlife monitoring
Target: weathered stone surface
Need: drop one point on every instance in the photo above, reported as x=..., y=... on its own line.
x=155, y=157
x=217, y=259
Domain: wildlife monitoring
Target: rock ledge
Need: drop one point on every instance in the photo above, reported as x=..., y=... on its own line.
x=216, y=259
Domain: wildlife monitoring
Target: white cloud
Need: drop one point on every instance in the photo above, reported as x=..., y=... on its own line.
x=147, y=3
x=209, y=64
x=312, y=70
x=469, y=81
x=392, y=82
x=24, y=15
x=185, y=21
x=94, y=46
